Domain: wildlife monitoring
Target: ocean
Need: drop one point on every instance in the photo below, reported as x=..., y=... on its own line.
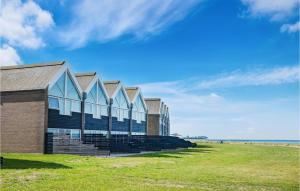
x=252, y=141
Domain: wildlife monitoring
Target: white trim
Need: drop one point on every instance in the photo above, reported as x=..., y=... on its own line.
x=120, y=86
x=91, y=84
x=119, y=132
x=66, y=68
x=137, y=133
x=103, y=88
x=143, y=101
x=98, y=132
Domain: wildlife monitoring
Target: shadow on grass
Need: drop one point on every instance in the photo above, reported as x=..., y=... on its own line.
x=30, y=164
x=179, y=153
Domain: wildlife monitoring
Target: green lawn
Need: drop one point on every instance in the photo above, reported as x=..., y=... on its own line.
x=208, y=167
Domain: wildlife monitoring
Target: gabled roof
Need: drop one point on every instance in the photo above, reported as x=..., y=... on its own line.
x=28, y=76
x=84, y=79
x=154, y=105
x=87, y=81
x=133, y=93
x=111, y=87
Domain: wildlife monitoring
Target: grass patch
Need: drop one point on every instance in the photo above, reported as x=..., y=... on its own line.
x=208, y=167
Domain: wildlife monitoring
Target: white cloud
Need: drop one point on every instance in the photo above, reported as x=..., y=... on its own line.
x=109, y=19
x=290, y=28
x=253, y=78
x=274, y=9
x=258, y=77
x=21, y=23
x=9, y=56
x=194, y=112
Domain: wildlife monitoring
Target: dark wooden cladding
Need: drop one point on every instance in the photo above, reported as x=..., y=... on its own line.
x=96, y=124
x=138, y=127
x=48, y=143
x=22, y=96
x=120, y=125
x=55, y=120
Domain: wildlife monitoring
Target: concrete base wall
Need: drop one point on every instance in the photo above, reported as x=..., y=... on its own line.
x=153, y=124
x=23, y=121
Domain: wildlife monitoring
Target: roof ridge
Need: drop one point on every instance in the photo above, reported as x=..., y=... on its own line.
x=131, y=88
x=32, y=65
x=152, y=99
x=85, y=74
x=112, y=82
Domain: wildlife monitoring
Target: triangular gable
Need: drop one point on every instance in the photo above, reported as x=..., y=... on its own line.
x=139, y=94
x=66, y=70
x=100, y=83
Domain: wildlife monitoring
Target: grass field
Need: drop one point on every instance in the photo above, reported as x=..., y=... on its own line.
x=208, y=167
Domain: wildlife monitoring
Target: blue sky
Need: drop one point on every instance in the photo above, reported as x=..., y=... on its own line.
x=227, y=69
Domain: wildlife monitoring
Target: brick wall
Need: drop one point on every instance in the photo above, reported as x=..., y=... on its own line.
x=153, y=124
x=23, y=121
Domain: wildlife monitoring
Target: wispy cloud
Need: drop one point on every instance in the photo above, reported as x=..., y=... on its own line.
x=21, y=26
x=290, y=28
x=197, y=113
x=273, y=9
x=109, y=19
x=253, y=78
x=257, y=77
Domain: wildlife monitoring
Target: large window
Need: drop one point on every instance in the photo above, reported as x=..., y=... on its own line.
x=96, y=102
x=120, y=106
x=64, y=133
x=138, y=110
x=64, y=96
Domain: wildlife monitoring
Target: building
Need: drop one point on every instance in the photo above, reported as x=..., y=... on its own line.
x=158, y=117
x=138, y=114
x=95, y=104
x=45, y=107
x=119, y=103
x=36, y=99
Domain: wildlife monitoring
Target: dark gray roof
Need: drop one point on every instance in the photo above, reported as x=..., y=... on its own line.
x=28, y=76
x=84, y=79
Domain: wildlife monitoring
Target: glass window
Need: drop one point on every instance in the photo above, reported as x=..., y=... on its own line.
x=120, y=106
x=92, y=95
x=53, y=103
x=61, y=106
x=75, y=134
x=104, y=110
x=64, y=95
x=72, y=93
x=101, y=96
x=68, y=107
x=76, y=106
x=97, y=101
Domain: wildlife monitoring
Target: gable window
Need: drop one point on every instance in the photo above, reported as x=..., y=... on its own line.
x=138, y=110
x=64, y=96
x=120, y=106
x=96, y=102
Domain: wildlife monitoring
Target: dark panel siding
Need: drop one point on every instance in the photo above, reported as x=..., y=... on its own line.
x=96, y=124
x=55, y=120
x=138, y=127
x=120, y=125
x=23, y=96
